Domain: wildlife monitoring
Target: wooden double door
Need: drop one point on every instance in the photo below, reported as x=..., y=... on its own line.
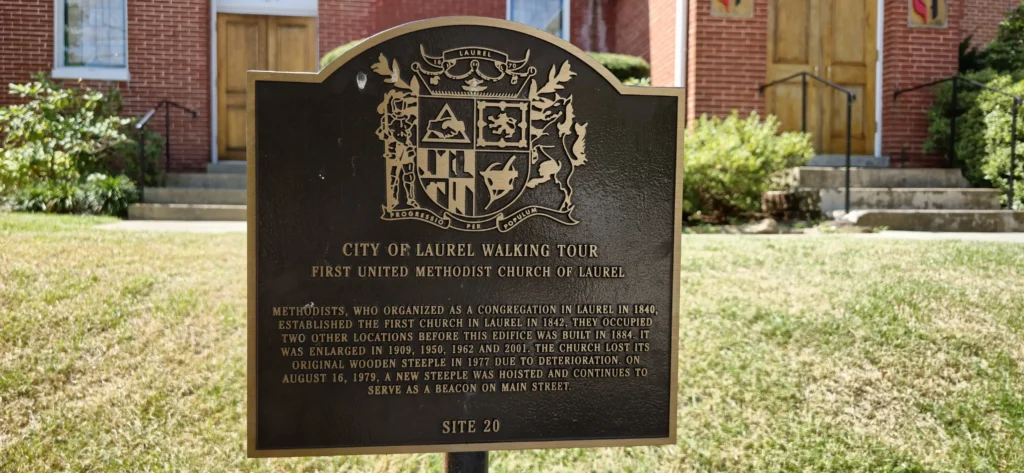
x=255, y=42
x=833, y=39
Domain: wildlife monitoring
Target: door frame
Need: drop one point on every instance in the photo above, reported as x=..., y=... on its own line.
x=303, y=8
x=880, y=48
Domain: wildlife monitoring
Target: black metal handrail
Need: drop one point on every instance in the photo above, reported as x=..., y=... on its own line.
x=954, y=113
x=850, y=97
x=140, y=127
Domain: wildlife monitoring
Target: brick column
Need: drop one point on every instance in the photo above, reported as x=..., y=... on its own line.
x=727, y=61
x=663, y=42
x=913, y=56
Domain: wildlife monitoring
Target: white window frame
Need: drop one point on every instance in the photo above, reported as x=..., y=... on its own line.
x=60, y=71
x=566, y=14
x=305, y=8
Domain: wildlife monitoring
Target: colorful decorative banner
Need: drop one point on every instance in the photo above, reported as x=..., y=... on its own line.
x=928, y=14
x=732, y=8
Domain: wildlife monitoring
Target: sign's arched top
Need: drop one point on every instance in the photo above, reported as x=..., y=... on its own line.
x=414, y=26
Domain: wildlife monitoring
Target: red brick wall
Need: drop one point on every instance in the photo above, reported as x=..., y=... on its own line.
x=26, y=41
x=168, y=58
x=169, y=48
x=727, y=61
x=663, y=44
x=391, y=13
x=343, y=21
x=913, y=56
x=982, y=17
x=630, y=22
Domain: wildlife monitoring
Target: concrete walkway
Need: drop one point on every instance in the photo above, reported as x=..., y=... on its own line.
x=1005, y=237
x=240, y=227
x=209, y=226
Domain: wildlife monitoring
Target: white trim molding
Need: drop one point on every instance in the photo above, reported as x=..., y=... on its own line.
x=879, y=47
x=269, y=7
x=94, y=73
x=214, y=148
x=682, y=38
x=61, y=71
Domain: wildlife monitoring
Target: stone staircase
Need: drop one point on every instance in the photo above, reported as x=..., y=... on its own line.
x=908, y=199
x=217, y=194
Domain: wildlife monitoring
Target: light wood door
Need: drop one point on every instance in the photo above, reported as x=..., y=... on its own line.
x=848, y=57
x=794, y=46
x=249, y=42
x=834, y=39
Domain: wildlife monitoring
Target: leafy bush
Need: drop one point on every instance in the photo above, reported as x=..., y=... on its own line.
x=59, y=134
x=48, y=196
x=109, y=195
x=99, y=194
x=126, y=161
x=970, y=126
x=997, y=112
x=970, y=58
x=729, y=163
x=644, y=82
x=1006, y=52
x=624, y=66
x=64, y=134
x=337, y=52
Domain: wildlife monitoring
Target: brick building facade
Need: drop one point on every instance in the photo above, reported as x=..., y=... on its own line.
x=171, y=46
x=722, y=50
x=171, y=62
x=728, y=59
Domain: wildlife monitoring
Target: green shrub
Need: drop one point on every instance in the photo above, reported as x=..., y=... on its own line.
x=63, y=134
x=729, y=163
x=970, y=58
x=996, y=110
x=337, y=52
x=1006, y=52
x=100, y=194
x=109, y=195
x=623, y=66
x=59, y=134
x=126, y=160
x=48, y=196
x=970, y=126
x=644, y=82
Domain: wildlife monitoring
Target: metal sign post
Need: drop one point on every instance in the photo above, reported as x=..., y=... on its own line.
x=467, y=462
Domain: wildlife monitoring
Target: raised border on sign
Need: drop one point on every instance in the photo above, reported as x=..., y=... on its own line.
x=308, y=77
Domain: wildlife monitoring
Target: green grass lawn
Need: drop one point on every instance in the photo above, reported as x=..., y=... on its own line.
x=125, y=352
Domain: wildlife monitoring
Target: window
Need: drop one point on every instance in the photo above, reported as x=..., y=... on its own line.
x=91, y=39
x=548, y=15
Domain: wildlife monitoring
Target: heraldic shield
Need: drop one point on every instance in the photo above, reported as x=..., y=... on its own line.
x=474, y=142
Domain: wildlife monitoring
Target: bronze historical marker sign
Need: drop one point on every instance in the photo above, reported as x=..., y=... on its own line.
x=463, y=236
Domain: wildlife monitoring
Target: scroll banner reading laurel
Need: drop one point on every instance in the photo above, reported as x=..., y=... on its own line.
x=474, y=53
x=498, y=222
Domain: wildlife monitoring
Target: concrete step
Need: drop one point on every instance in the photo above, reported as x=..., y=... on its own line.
x=941, y=220
x=186, y=212
x=910, y=198
x=185, y=195
x=226, y=167
x=834, y=178
x=206, y=181
x=856, y=160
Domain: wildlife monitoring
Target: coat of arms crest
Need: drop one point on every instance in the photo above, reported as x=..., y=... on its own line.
x=473, y=141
